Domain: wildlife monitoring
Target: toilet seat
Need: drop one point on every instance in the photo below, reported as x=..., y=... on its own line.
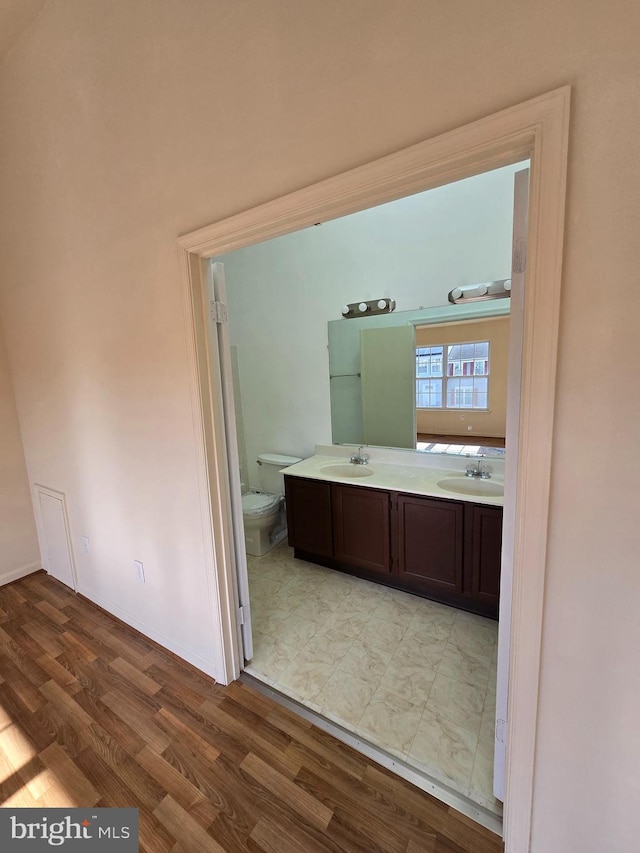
x=255, y=505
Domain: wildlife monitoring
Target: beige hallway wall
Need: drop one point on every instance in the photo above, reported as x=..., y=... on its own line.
x=128, y=122
x=19, y=552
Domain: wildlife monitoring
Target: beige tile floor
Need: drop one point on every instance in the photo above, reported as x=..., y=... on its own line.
x=414, y=677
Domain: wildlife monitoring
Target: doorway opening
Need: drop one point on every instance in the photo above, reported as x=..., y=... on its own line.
x=400, y=668
x=537, y=129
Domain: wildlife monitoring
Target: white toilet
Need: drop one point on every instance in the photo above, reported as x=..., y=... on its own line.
x=263, y=512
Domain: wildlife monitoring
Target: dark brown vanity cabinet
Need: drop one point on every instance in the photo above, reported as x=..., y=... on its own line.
x=361, y=520
x=309, y=516
x=483, y=529
x=430, y=542
x=448, y=550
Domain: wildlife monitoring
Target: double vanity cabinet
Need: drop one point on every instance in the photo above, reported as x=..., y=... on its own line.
x=447, y=549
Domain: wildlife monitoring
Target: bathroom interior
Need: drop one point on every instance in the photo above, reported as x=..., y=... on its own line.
x=351, y=404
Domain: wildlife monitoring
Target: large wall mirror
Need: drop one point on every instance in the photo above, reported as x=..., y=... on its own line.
x=284, y=293
x=433, y=379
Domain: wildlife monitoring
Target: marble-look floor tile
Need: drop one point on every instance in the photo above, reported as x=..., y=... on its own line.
x=312, y=607
x=305, y=676
x=344, y=698
x=446, y=749
x=271, y=656
x=276, y=603
x=288, y=598
x=263, y=585
x=332, y=594
x=427, y=627
x=403, y=672
x=406, y=599
x=395, y=610
x=429, y=653
x=329, y=647
x=296, y=631
x=390, y=720
x=279, y=570
x=457, y=701
x=409, y=678
x=264, y=622
x=365, y=661
x=477, y=638
x=347, y=623
x=464, y=665
x=481, y=786
x=370, y=593
x=382, y=635
x=434, y=610
x=488, y=723
x=473, y=618
x=490, y=697
x=304, y=581
x=333, y=580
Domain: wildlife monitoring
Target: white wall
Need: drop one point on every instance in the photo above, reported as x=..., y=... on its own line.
x=128, y=122
x=283, y=292
x=19, y=553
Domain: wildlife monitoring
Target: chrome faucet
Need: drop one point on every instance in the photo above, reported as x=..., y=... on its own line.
x=359, y=458
x=479, y=470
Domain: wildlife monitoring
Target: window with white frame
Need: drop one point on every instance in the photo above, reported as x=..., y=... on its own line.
x=453, y=376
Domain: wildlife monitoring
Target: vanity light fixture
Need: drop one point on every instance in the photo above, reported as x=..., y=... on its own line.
x=500, y=289
x=372, y=306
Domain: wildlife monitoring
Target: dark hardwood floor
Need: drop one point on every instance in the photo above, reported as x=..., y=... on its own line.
x=93, y=714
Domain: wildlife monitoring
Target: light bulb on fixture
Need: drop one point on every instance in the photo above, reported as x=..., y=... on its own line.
x=370, y=307
x=472, y=290
x=484, y=290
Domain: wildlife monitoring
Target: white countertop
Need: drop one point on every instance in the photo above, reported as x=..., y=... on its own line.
x=417, y=479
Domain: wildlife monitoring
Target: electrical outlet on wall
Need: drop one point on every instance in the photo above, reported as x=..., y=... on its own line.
x=85, y=545
x=139, y=569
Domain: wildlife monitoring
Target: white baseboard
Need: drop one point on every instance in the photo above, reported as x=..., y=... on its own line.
x=16, y=574
x=206, y=666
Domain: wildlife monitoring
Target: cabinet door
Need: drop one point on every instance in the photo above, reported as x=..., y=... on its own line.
x=309, y=515
x=484, y=552
x=361, y=527
x=430, y=542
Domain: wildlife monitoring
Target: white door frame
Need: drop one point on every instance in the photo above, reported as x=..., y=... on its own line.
x=536, y=129
x=514, y=391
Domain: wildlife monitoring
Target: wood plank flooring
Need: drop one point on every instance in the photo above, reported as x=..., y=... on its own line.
x=442, y=438
x=94, y=714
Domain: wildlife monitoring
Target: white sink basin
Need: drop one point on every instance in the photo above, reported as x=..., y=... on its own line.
x=347, y=471
x=470, y=486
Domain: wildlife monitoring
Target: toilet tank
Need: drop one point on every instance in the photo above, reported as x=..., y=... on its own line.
x=271, y=464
